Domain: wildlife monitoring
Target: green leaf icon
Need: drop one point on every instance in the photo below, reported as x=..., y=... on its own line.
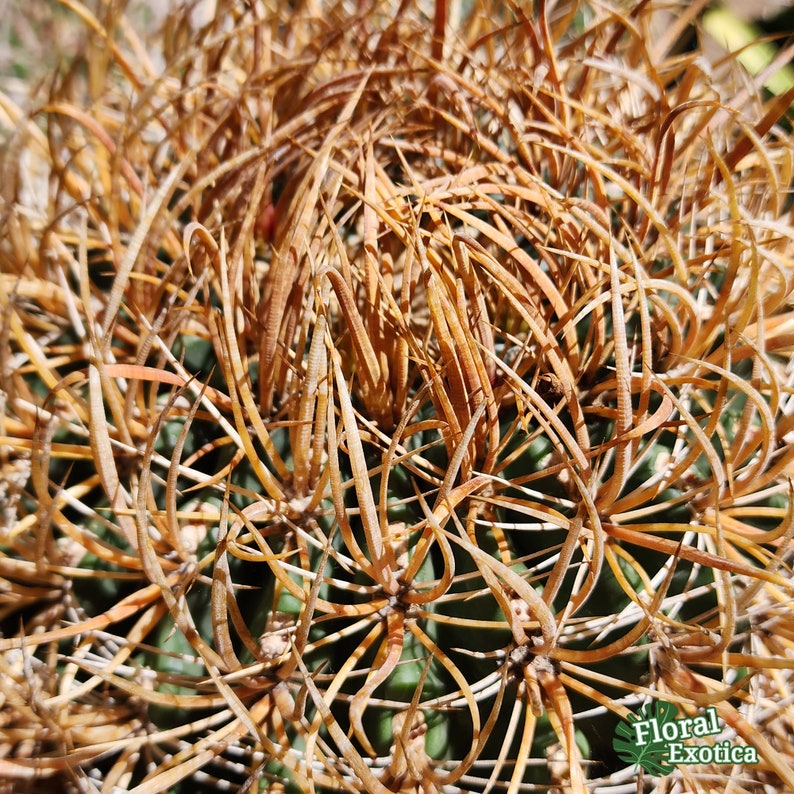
x=640, y=740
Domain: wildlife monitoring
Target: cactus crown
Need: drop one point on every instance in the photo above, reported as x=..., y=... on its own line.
x=398, y=398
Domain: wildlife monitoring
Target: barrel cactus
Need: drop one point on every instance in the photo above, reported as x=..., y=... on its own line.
x=396, y=397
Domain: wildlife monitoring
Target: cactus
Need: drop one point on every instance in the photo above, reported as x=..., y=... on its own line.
x=395, y=399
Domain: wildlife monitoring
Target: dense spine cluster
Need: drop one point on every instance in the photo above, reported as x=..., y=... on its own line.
x=397, y=398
